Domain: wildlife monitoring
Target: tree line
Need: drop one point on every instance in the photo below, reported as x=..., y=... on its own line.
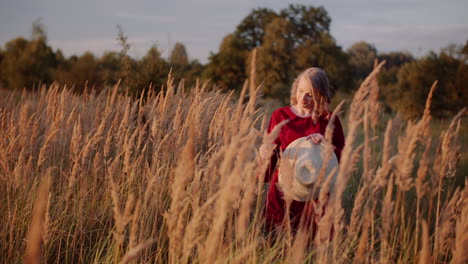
x=287, y=42
x=27, y=63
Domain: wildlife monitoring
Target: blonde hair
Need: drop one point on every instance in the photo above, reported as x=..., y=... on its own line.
x=323, y=91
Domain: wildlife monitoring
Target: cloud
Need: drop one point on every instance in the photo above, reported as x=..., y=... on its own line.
x=147, y=18
x=79, y=46
x=417, y=39
x=407, y=28
x=442, y=27
x=369, y=27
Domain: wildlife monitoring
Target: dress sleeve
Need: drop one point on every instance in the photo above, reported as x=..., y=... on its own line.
x=274, y=120
x=338, y=139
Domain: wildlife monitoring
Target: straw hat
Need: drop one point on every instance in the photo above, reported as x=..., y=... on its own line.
x=300, y=166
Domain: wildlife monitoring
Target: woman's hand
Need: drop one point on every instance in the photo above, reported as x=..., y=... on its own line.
x=316, y=138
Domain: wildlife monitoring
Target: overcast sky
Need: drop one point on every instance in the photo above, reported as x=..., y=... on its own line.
x=76, y=26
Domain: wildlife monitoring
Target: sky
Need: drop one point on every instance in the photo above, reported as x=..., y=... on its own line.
x=77, y=26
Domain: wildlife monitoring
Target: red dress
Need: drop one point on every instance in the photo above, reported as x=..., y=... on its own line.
x=296, y=127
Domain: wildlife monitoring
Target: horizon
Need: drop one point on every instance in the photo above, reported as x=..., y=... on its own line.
x=422, y=26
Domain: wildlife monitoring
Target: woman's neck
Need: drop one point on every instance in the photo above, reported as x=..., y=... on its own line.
x=302, y=112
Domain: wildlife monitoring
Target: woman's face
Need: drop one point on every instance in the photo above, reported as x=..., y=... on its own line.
x=304, y=94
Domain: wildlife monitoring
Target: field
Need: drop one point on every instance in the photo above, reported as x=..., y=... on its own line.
x=172, y=178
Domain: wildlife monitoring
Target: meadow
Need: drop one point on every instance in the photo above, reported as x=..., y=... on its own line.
x=173, y=177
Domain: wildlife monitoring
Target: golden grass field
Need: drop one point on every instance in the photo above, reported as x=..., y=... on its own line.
x=172, y=178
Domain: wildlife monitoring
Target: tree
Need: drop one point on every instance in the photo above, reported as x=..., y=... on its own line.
x=324, y=53
x=179, y=55
x=278, y=37
x=128, y=65
x=182, y=68
x=28, y=62
x=11, y=65
x=416, y=78
x=109, y=65
x=227, y=67
x=393, y=62
x=395, y=58
x=152, y=70
x=388, y=76
x=275, y=60
x=361, y=59
x=252, y=28
x=38, y=30
x=83, y=72
x=298, y=39
x=307, y=22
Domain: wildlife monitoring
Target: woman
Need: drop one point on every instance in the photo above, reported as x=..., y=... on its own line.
x=308, y=116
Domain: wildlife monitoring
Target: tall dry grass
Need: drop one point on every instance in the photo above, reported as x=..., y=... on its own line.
x=173, y=177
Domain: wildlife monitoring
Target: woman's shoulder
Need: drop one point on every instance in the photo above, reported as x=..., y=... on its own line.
x=282, y=112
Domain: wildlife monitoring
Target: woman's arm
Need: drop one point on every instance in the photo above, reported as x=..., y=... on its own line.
x=266, y=148
x=338, y=139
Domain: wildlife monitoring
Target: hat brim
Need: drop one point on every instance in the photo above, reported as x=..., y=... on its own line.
x=299, y=183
